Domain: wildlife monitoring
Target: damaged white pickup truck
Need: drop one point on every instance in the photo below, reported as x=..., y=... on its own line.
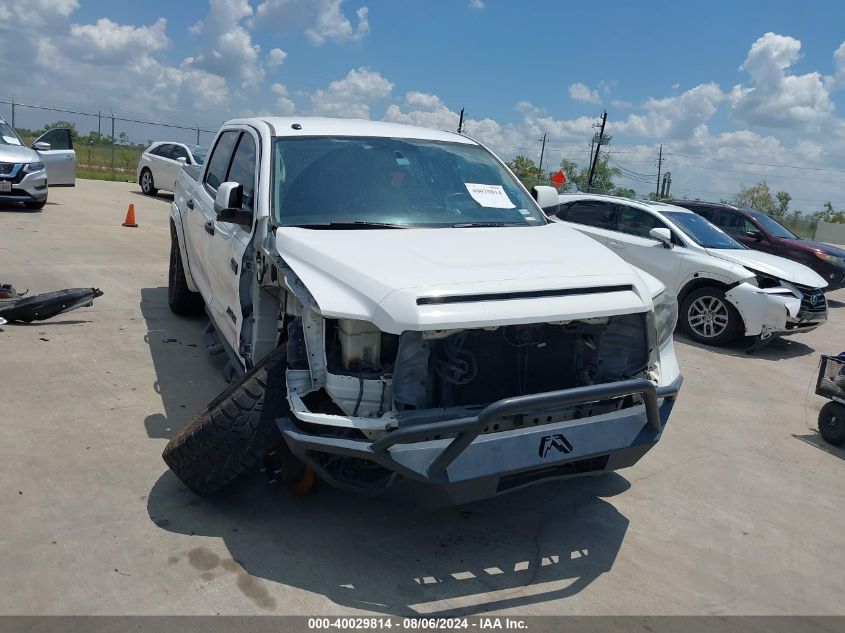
x=399, y=314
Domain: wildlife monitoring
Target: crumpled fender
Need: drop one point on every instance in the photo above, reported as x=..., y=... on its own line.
x=763, y=310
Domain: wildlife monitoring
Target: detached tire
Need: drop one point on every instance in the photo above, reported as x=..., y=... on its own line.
x=182, y=300
x=235, y=431
x=707, y=317
x=832, y=423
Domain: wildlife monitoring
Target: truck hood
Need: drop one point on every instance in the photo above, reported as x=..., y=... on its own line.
x=423, y=279
x=17, y=154
x=771, y=265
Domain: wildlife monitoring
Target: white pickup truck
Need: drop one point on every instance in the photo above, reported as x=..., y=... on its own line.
x=400, y=315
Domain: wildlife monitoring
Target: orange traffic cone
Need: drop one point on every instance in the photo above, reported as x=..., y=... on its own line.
x=130, y=217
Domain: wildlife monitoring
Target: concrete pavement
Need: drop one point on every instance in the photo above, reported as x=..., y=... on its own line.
x=738, y=510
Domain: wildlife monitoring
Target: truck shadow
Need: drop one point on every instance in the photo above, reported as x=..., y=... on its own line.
x=532, y=546
x=541, y=544
x=814, y=439
x=187, y=377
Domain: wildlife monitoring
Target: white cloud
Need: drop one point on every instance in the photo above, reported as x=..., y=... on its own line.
x=776, y=98
x=226, y=46
x=34, y=13
x=476, y=4
x=582, y=92
x=284, y=105
x=324, y=20
x=837, y=80
x=106, y=42
x=276, y=57
x=673, y=117
x=352, y=96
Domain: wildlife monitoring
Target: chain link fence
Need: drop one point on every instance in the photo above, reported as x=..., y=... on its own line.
x=108, y=144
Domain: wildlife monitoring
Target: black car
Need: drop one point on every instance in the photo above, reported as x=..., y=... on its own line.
x=763, y=233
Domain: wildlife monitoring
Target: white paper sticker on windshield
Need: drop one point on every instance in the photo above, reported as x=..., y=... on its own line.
x=489, y=195
x=11, y=140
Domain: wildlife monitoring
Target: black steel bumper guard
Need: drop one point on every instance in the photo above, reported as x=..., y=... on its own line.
x=474, y=466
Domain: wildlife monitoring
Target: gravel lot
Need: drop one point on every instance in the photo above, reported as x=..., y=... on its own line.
x=738, y=510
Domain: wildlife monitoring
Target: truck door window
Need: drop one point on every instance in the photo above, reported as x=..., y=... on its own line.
x=242, y=170
x=221, y=158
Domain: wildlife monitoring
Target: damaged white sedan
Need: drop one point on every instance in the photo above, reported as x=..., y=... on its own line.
x=724, y=289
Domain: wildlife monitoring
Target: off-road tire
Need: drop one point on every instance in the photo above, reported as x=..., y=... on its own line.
x=832, y=423
x=234, y=432
x=35, y=205
x=148, y=187
x=730, y=333
x=182, y=300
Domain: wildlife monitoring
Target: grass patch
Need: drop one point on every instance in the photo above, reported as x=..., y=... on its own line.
x=100, y=174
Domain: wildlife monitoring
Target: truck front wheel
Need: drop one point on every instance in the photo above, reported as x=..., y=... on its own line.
x=236, y=431
x=182, y=300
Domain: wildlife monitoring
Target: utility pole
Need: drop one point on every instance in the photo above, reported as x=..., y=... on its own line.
x=598, y=149
x=659, y=165
x=13, y=111
x=542, y=151
x=461, y=123
x=99, y=125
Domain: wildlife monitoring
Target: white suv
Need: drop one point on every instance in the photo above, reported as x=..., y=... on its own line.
x=724, y=289
x=160, y=164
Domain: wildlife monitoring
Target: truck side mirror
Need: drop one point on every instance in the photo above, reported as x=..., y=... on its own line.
x=228, y=205
x=547, y=198
x=754, y=234
x=662, y=235
x=41, y=146
x=182, y=160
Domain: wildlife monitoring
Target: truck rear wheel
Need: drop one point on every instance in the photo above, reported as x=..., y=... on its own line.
x=182, y=300
x=235, y=431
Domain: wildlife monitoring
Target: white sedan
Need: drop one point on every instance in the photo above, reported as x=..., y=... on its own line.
x=724, y=289
x=160, y=164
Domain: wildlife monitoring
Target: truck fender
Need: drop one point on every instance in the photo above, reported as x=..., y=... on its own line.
x=177, y=231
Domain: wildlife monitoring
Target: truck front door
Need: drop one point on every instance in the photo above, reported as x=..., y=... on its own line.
x=226, y=242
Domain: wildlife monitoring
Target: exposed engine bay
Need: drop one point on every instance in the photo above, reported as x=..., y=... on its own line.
x=370, y=373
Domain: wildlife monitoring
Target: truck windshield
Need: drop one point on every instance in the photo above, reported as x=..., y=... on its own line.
x=376, y=181
x=701, y=231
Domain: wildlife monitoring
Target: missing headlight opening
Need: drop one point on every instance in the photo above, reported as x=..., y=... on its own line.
x=370, y=373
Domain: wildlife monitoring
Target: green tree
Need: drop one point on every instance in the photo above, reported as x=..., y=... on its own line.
x=757, y=197
x=784, y=199
x=526, y=171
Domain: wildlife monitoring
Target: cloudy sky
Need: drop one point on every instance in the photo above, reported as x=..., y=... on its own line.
x=735, y=91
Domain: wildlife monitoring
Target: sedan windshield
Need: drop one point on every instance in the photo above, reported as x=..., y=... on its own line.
x=199, y=154
x=701, y=231
x=8, y=136
x=380, y=182
x=773, y=226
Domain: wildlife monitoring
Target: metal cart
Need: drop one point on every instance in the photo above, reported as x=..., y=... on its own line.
x=831, y=385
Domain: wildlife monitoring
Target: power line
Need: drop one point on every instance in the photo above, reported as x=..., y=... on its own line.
x=746, y=162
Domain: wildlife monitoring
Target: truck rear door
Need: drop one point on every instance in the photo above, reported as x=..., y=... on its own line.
x=226, y=243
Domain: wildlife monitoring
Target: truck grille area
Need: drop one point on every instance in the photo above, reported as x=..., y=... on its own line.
x=478, y=367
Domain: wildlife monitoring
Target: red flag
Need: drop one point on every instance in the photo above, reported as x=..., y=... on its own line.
x=559, y=178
